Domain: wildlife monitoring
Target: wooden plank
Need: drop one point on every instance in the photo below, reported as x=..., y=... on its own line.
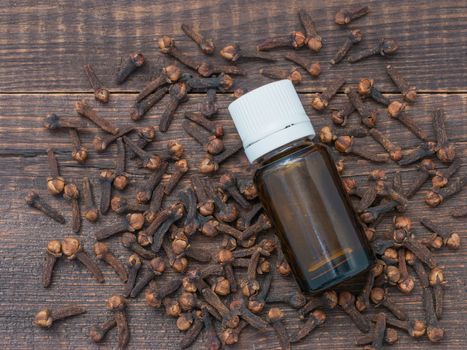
x=25, y=233
x=43, y=47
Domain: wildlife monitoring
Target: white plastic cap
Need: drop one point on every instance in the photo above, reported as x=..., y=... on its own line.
x=270, y=117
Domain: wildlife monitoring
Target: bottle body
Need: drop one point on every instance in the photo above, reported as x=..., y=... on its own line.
x=321, y=237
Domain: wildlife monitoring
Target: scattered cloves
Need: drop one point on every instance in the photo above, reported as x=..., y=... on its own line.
x=90, y=210
x=135, y=60
x=366, y=88
x=346, y=145
x=156, y=268
x=208, y=106
x=291, y=74
x=214, y=128
x=85, y=110
x=72, y=249
x=394, y=151
x=34, y=201
x=181, y=168
x=71, y=194
x=438, y=196
x=169, y=74
x=353, y=38
x=145, y=192
x=54, y=122
x=133, y=265
x=368, y=116
x=121, y=180
x=178, y=94
x=316, y=319
x=100, y=144
x=78, y=151
x=98, y=333
x=385, y=47
x=408, y=92
x=294, y=40
x=150, y=161
x=101, y=94
x=211, y=164
x=133, y=222
x=441, y=176
x=347, y=303
x=142, y=107
x=321, y=100
x=206, y=45
x=326, y=300
x=210, y=143
x=450, y=238
x=103, y=253
x=379, y=297
x=341, y=116
x=275, y=318
x=445, y=150
x=344, y=16
x=434, y=332
x=312, y=39
x=46, y=317
x=233, y=53
x=117, y=305
x=426, y=149
x=54, y=251
x=222, y=82
x=55, y=183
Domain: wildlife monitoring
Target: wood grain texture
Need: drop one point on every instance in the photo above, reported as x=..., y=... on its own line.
x=25, y=233
x=43, y=46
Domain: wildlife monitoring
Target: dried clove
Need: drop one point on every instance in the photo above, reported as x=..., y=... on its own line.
x=53, y=251
x=379, y=297
x=294, y=299
x=437, y=281
x=395, y=111
x=181, y=168
x=150, y=161
x=225, y=258
x=72, y=249
x=344, y=16
x=275, y=318
x=206, y=45
x=214, y=128
x=78, y=151
x=54, y=122
x=103, y=253
x=441, y=176
x=167, y=46
x=98, y=333
x=401, y=237
x=174, y=150
x=71, y=194
x=346, y=145
x=117, y=305
x=145, y=191
x=184, y=321
x=193, y=332
x=408, y=92
x=121, y=180
x=291, y=74
x=237, y=305
x=250, y=286
x=406, y=283
x=106, y=178
x=206, y=69
x=85, y=110
x=424, y=150
x=326, y=300
x=327, y=134
x=178, y=94
x=368, y=116
x=434, y=332
x=438, y=196
x=294, y=40
x=169, y=74
x=157, y=198
x=385, y=47
x=156, y=268
x=210, y=143
x=208, y=106
x=321, y=100
x=354, y=37
x=233, y=53
x=450, y=238
x=211, y=164
x=133, y=222
x=316, y=319
x=101, y=94
x=341, y=116
x=133, y=265
x=55, y=183
x=100, y=144
x=222, y=82
x=363, y=299
x=90, y=210
x=230, y=336
x=128, y=240
x=312, y=39
x=135, y=60
x=205, y=203
x=257, y=302
x=142, y=107
x=445, y=150
x=33, y=200
x=415, y=328
x=394, y=151
x=213, y=341
x=45, y=317
x=191, y=223
x=366, y=88
x=347, y=302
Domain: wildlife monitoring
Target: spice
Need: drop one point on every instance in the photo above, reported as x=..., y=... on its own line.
x=385, y=47
x=346, y=145
x=205, y=203
x=239, y=92
x=210, y=143
x=379, y=297
x=53, y=251
x=100, y=144
x=206, y=45
x=210, y=165
x=101, y=94
x=156, y=268
x=54, y=122
x=144, y=193
x=434, y=332
x=178, y=94
x=135, y=60
x=238, y=306
x=275, y=318
x=213, y=341
x=158, y=228
x=71, y=194
x=103, y=253
x=184, y=321
x=98, y=333
x=366, y=88
x=354, y=37
x=133, y=222
x=437, y=196
x=368, y=116
x=426, y=149
x=214, y=128
x=222, y=82
x=445, y=150
x=150, y=161
x=294, y=299
x=408, y=92
x=106, y=178
x=341, y=116
x=128, y=240
x=169, y=74
x=328, y=134
x=321, y=101
x=379, y=332
x=85, y=110
x=193, y=332
x=233, y=53
x=294, y=40
x=347, y=303
x=78, y=152
x=394, y=151
x=345, y=16
x=230, y=336
x=278, y=73
x=167, y=46
x=316, y=319
x=363, y=299
x=207, y=69
x=208, y=106
x=327, y=299
x=181, y=168
x=72, y=249
x=174, y=150
x=121, y=180
x=312, y=39
x=406, y=283
x=55, y=183
x=441, y=176
x=451, y=239
x=437, y=281
x=225, y=258
x=34, y=201
x=46, y=317
x=395, y=111
x=257, y=302
x=142, y=107
x=133, y=265
x=415, y=328
x=117, y=305
x=90, y=210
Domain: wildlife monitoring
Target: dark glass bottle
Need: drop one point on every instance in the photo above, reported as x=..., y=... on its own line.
x=302, y=192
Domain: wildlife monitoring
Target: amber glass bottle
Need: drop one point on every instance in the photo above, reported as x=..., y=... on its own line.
x=300, y=188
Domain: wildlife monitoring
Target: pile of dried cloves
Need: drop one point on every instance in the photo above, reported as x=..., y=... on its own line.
x=226, y=290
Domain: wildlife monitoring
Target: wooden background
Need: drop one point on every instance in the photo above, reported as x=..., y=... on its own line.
x=43, y=45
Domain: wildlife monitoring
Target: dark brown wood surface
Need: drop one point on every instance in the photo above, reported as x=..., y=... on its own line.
x=43, y=46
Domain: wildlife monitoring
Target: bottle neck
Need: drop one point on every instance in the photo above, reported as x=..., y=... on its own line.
x=284, y=150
